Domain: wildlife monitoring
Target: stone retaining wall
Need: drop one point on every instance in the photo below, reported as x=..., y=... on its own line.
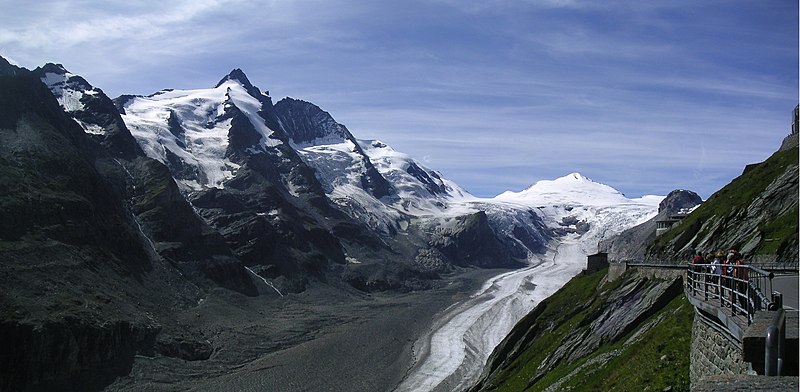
x=714, y=351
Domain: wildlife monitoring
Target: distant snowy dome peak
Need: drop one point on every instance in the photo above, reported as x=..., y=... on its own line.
x=572, y=188
x=578, y=177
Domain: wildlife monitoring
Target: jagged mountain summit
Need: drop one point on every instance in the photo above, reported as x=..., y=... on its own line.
x=201, y=134
x=212, y=138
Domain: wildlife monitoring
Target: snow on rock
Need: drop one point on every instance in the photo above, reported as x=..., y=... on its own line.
x=190, y=125
x=70, y=90
x=422, y=191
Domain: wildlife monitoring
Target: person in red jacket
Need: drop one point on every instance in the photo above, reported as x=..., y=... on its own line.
x=697, y=259
x=742, y=274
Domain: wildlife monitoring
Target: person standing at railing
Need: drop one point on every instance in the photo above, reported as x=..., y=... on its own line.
x=716, y=271
x=742, y=275
x=727, y=277
x=696, y=260
x=707, y=272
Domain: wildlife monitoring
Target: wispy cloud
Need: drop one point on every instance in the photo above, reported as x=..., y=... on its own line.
x=495, y=94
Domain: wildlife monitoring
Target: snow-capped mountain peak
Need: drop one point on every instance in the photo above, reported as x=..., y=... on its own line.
x=573, y=188
x=238, y=76
x=70, y=91
x=191, y=130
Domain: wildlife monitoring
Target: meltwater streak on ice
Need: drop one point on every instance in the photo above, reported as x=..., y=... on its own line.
x=452, y=355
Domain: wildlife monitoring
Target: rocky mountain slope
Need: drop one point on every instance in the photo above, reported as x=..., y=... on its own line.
x=756, y=214
x=90, y=230
x=157, y=227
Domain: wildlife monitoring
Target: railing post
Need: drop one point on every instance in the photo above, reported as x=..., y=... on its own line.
x=773, y=346
x=777, y=301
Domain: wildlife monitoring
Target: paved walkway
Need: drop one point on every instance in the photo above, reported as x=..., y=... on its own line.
x=788, y=286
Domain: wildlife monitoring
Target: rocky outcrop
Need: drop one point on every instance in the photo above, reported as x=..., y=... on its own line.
x=466, y=241
x=95, y=110
x=632, y=243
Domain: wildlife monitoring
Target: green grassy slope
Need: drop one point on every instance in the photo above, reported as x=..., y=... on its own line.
x=751, y=212
x=653, y=355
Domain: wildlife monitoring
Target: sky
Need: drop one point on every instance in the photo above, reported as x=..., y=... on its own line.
x=644, y=96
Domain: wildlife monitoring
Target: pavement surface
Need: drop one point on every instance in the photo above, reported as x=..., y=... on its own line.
x=788, y=285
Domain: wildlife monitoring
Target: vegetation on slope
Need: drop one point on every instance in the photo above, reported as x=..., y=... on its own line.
x=756, y=213
x=650, y=352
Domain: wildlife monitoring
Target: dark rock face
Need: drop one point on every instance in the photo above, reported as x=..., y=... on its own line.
x=470, y=241
x=264, y=228
x=61, y=354
x=678, y=200
x=305, y=122
x=241, y=136
x=434, y=187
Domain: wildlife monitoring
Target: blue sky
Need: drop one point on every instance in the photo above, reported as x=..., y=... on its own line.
x=644, y=96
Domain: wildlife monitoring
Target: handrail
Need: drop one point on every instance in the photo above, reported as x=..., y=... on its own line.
x=775, y=340
x=741, y=289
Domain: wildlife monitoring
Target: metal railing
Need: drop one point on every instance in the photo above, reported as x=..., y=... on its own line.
x=774, y=345
x=740, y=288
x=764, y=263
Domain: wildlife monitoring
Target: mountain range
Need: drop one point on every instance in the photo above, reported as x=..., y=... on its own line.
x=122, y=216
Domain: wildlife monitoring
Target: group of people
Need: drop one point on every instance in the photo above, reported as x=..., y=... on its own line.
x=724, y=268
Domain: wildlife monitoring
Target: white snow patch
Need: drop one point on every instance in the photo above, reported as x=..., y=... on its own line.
x=204, y=140
x=93, y=129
